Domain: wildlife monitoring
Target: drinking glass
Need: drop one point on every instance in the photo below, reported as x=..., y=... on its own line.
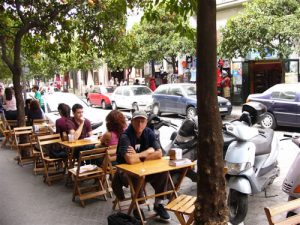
x=143, y=158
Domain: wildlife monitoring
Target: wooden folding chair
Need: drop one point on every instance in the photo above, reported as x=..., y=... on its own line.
x=89, y=172
x=7, y=133
x=54, y=168
x=37, y=156
x=111, y=160
x=108, y=166
x=23, y=141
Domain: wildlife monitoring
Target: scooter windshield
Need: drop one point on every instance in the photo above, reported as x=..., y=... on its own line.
x=241, y=131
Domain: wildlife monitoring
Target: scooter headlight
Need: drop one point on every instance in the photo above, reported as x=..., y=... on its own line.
x=236, y=168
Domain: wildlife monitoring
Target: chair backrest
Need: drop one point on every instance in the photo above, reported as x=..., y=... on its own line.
x=22, y=131
x=12, y=123
x=111, y=157
x=47, y=140
x=2, y=127
x=40, y=121
x=273, y=212
x=97, y=155
x=112, y=153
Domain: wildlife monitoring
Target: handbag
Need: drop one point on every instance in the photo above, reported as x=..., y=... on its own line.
x=122, y=219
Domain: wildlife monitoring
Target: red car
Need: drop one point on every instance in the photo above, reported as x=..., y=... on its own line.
x=100, y=96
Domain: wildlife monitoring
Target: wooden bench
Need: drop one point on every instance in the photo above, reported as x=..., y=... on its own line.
x=183, y=206
x=282, y=209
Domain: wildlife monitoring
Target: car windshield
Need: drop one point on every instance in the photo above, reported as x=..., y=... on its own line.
x=189, y=89
x=141, y=91
x=53, y=101
x=110, y=89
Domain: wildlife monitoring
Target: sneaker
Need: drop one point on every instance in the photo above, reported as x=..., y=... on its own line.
x=161, y=211
x=137, y=215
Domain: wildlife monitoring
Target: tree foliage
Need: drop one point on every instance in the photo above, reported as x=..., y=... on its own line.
x=28, y=28
x=153, y=40
x=265, y=26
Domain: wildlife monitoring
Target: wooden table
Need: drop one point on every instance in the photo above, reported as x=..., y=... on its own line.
x=151, y=167
x=78, y=143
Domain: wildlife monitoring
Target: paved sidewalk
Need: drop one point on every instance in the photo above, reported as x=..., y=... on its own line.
x=26, y=200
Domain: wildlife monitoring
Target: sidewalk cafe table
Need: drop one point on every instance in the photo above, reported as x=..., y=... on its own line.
x=75, y=144
x=140, y=171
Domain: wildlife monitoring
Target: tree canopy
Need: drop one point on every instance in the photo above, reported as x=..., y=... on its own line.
x=151, y=40
x=31, y=29
x=265, y=26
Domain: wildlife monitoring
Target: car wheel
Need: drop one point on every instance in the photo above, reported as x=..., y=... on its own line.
x=155, y=110
x=114, y=106
x=103, y=105
x=268, y=121
x=135, y=106
x=190, y=112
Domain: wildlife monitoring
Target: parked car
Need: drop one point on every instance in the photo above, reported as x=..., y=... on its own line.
x=282, y=101
x=51, y=102
x=181, y=98
x=100, y=96
x=131, y=97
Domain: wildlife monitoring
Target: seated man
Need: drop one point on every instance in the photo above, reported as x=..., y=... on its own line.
x=80, y=127
x=136, y=142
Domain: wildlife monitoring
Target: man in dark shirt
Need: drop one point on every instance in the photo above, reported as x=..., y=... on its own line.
x=80, y=127
x=136, y=142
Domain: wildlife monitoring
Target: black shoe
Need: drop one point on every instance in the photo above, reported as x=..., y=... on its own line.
x=161, y=211
x=137, y=215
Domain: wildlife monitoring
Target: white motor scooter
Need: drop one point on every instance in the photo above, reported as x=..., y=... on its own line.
x=291, y=183
x=251, y=160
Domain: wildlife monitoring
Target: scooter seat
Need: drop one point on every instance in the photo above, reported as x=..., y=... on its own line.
x=263, y=141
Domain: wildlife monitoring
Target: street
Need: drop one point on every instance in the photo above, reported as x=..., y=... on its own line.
x=27, y=200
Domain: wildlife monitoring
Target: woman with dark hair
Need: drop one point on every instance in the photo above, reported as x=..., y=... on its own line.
x=35, y=112
x=115, y=124
x=10, y=106
x=63, y=124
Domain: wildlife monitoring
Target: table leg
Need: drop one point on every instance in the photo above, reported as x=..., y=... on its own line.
x=140, y=184
x=176, y=187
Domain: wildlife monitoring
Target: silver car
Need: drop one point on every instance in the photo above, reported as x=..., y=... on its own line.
x=136, y=97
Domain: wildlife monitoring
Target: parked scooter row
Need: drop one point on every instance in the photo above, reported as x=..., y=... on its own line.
x=250, y=155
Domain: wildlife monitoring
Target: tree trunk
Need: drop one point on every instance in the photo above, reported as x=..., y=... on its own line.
x=153, y=67
x=211, y=204
x=19, y=97
x=174, y=64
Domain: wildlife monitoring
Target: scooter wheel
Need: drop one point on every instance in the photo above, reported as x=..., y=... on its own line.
x=238, y=206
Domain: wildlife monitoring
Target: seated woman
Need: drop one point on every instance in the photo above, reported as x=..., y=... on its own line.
x=115, y=124
x=63, y=124
x=35, y=112
x=10, y=106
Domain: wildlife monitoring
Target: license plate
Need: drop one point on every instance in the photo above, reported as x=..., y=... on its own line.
x=222, y=109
